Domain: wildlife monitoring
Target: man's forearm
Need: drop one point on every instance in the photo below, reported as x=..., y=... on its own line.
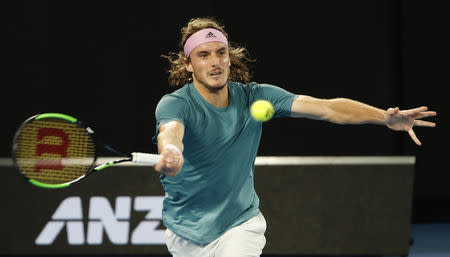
x=347, y=111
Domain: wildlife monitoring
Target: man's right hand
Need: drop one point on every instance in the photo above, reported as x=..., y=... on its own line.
x=171, y=161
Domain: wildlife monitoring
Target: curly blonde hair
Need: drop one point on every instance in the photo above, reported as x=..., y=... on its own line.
x=178, y=75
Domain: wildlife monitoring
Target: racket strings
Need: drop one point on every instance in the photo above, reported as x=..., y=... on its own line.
x=54, y=151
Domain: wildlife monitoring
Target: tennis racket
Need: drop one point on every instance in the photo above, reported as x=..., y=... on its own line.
x=54, y=150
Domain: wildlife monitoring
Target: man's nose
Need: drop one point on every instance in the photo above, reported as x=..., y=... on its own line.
x=215, y=60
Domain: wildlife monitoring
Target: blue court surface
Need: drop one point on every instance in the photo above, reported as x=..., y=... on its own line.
x=430, y=240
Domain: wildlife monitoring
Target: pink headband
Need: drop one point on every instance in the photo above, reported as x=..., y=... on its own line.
x=203, y=36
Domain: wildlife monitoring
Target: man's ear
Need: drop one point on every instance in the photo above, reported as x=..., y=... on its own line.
x=188, y=66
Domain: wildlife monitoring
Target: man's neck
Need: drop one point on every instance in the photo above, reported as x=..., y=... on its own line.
x=216, y=97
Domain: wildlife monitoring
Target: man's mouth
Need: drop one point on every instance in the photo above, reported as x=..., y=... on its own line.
x=215, y=73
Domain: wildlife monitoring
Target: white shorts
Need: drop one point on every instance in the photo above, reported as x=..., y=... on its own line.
x=245, y=240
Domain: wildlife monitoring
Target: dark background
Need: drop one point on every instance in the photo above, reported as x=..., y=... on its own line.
x=100, y=61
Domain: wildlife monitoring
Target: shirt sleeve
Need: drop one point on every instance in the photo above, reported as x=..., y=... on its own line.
x=280, y=98
x=170, y=108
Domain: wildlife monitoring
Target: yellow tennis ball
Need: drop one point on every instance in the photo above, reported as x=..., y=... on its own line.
x=262, y=110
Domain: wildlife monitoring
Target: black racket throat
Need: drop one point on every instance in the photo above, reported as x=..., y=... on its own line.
x=110, y=148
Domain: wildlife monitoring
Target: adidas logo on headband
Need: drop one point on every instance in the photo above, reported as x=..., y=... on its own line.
x=210, y=35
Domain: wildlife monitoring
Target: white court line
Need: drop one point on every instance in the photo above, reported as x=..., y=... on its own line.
x=334, y=160
x=291, y=160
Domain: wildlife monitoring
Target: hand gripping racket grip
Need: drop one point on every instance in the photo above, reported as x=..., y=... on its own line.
x=145, y=158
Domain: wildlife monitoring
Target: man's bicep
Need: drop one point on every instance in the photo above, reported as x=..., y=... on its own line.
x=172, y=127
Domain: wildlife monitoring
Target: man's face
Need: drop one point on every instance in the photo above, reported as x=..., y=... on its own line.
x=210, y=64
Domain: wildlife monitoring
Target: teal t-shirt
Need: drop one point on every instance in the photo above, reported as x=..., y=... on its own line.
x=214, y=191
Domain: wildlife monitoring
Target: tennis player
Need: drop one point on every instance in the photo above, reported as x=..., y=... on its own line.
x=208, y=142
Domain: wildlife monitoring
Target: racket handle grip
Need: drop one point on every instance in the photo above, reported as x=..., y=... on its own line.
x=145, y=158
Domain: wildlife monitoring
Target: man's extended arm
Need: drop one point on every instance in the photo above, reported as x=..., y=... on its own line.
x=347, y=111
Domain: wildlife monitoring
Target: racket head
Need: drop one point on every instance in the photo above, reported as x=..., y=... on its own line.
x=53, y=150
